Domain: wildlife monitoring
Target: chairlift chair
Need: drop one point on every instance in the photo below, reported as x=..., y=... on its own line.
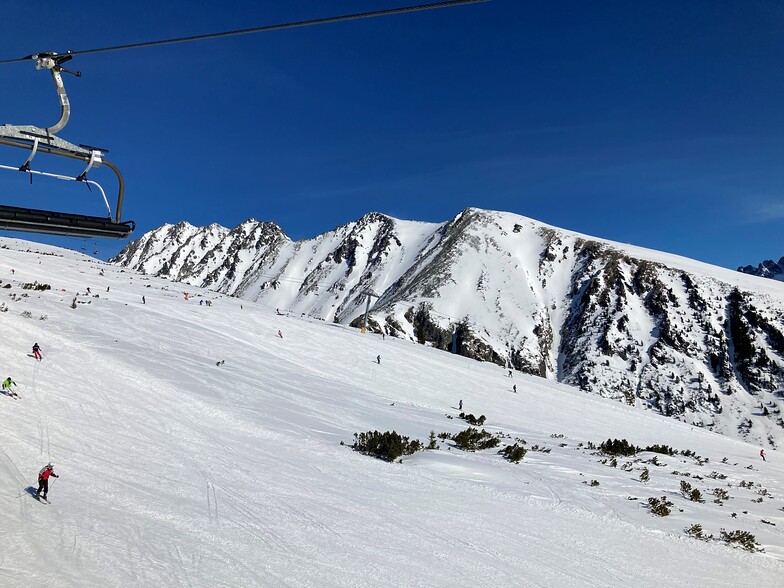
x=38, y=140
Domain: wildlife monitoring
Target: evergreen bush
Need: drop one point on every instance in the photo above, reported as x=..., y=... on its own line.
x=472, y=420
x=388, y=446
x=659, y=506
x=742, y=539
x=473, y=439
x=618, y=447
x=513, y=453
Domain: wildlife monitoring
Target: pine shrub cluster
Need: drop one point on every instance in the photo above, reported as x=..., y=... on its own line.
x=513, y=453
x=692, y=494
x=659, y=506
x=663, y=449
x=388, y=446
x=618, y=447
x=36, y=286
x=742, y=539
x=472, y=420
x=473, y=440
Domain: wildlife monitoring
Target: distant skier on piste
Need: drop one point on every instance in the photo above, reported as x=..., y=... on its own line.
x=43, y=480
x=37, y=352
x=7, y=383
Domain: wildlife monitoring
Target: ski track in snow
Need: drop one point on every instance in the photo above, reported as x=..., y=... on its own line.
x=178, y=472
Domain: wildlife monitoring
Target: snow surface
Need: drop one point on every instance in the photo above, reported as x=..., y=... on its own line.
x=178, y=472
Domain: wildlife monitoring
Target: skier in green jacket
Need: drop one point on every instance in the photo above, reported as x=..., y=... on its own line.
x=7, y=383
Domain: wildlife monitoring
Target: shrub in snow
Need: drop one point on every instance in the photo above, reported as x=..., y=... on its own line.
x=432, y=443
x=472, y=420
x=618, y=447
x=692, y=494
x=659, y=506
x=742, y=539
x=645, y=476
x=663, y=449
x=36, y=286
x=697, y=532
x=720, y=494
x=388, y=446
x=27, y=314
x=473, y=439
x=513, y=453
x=594, y=482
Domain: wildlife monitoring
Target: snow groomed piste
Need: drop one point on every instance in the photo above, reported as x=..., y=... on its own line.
x=176, y=471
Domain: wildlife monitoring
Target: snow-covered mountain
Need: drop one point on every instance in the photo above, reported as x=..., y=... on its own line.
x=767, y=269
x=196, y=448
x=693, y=341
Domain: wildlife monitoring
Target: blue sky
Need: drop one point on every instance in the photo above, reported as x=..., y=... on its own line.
x=657, y=124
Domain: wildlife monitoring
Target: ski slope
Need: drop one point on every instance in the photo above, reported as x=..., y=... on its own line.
x=177, y=472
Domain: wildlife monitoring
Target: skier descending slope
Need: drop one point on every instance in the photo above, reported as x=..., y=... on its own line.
x=37, y=352
x=43, y=480
x=7, y=383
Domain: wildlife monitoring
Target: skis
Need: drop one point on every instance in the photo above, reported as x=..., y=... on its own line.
x=41, y=499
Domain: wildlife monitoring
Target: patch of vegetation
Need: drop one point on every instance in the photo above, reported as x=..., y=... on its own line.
x=721, y=495
x=645, y=476
x=472, y=420
x=742, y=539
x=594, y=483
x=692, y=494
x=513, y=453
x=26, y=314
x=388, y=446
x=540, y=449
x=697, y=532
x=36, y=286
x=618, y=447
x=663, y=449
x=659, y=506
x=432, y=443
x=473, y=440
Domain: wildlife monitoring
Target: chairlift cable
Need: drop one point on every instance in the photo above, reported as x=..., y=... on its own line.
x=265, y=28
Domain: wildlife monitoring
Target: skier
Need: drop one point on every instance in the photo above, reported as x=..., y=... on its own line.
x=762, y=455
x=514, y=388
x=7, y=387
x=143, y=300
x=43, y=480
x=510, y=373
x=378, y=359
x=280, y=334
x=460, y=404
x=88, y=290
x=200, y=302
x=37, y=352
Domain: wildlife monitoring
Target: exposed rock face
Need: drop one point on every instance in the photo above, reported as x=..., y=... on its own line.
x=689, y=340
x=767, y=269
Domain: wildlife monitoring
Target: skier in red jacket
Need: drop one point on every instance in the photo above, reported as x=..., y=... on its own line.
x=43, y=479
